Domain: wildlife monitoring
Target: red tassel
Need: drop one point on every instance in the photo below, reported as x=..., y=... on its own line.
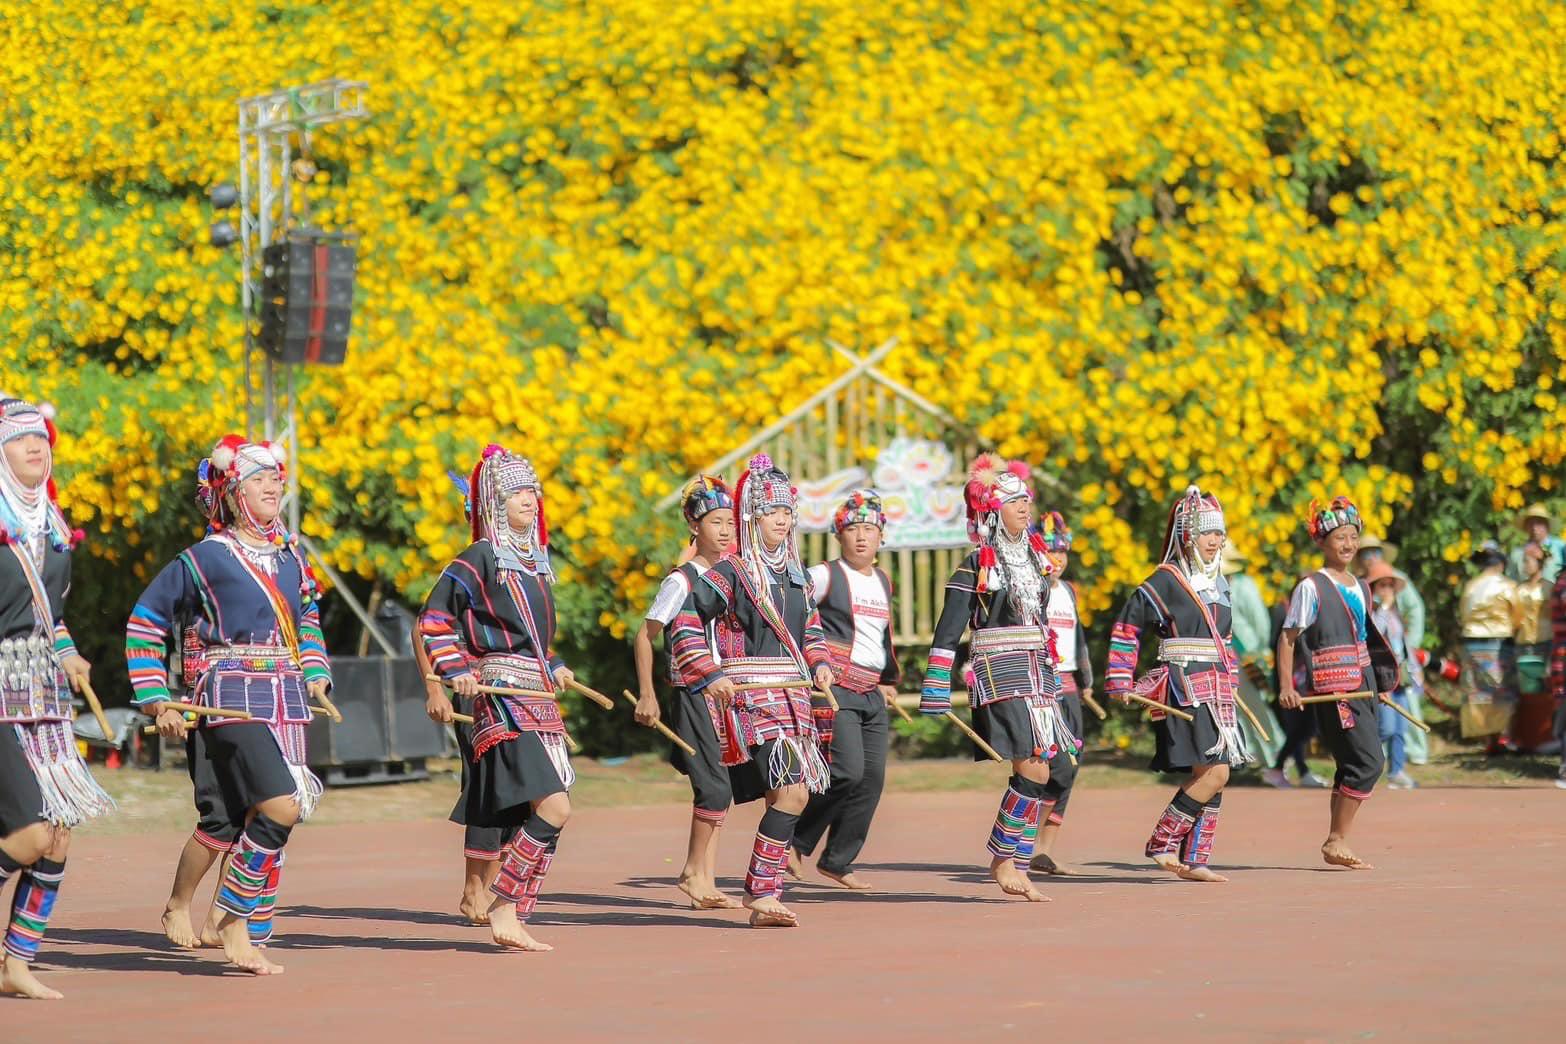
x=739, y=506
x=986, y=563
x=543, y=527
x=1036, y=542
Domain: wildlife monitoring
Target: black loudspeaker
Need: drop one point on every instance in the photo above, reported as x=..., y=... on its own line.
x=307, y=298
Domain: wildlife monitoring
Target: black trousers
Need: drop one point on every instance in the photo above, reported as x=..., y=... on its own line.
x=859, y=737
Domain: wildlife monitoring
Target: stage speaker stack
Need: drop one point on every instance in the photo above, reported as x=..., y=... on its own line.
x=307, y=297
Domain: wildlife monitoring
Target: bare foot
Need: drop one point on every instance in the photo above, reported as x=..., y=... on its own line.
x=209, y=930
x=850, y=880
x=1338, y=853
x=474, y=909
x=16, y=980
x=704, y=895
x=768, y=912
x=176, y=925
x=234, y=937
x=1042, y=863
x=793, y=863
x=1200, y=873
x=507, y=931
x=1171, y=862
x=1014, y=881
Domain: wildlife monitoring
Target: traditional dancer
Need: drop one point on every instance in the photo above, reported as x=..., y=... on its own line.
x=773, y=648
x=45, y=787
x=492, y=608
x=1075, y=672
x=1329, y=620
x=708, y=509
x=854, y=597
x=1186, y=602
x=255, y=631
x=482, y=846
x=999, y=592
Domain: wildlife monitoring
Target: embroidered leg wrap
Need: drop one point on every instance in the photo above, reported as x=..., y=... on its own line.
x=260, y=924
x=36, y=890
x=250, y=868
x=535, y=883
x=764, y=877
x=1043, y=812
x=522, y=857
x=715, y=817
x=1198, y=848
x=1019, y=804
x=1175, y=824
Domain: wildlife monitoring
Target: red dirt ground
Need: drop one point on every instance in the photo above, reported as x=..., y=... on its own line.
x=1456, y=935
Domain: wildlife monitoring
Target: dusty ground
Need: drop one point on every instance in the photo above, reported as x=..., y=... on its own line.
x=1453, y=936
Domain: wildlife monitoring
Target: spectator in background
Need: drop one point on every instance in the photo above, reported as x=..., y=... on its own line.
x=1252, y=633
x=1536, y=522
x=1531, y=727
x=1558, y=668
x=1384, y=584
x=1487, y=614
x=1297, y=725
x=1411, y=609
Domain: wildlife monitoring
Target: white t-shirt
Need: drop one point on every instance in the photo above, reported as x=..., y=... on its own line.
x=1062, y=613
x=671, y=596
x=668, y=603
x=872, y=613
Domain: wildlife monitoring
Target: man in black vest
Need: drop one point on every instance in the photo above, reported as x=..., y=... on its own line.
x=854, y=597
x=1330, y=621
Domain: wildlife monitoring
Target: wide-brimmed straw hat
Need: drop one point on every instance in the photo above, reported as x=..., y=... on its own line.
x=1373, y=543
x=1533, y=511
x=1379, y=570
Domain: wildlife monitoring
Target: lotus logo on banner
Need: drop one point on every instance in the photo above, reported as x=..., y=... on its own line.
x=919, y=491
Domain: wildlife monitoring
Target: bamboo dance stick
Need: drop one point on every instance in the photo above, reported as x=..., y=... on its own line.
x=1333, y=697
x=1094, y=706
x=97, y=708
x=497, y=690
x=1255, y=721
x=593, y=694
x=1155, y=705
x=1384, y=698
x=978, y=740
x=664, y=730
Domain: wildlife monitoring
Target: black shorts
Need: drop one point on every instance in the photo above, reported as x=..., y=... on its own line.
x=506, y=781
x=1356, y=749
x=214, y=818
x=21, y=800
x=690, y=720
x=248, y=765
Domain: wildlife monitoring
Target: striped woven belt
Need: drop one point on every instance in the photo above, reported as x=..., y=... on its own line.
x=1023, y=638
x=1189, y=650
x=760, y=670
x=516, y=672
x=855, y=678
x=248, y=657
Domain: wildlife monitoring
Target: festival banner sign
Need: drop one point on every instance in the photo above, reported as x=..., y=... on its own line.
x=920, y=489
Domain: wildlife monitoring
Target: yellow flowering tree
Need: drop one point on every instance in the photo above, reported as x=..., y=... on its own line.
x=1283, y=249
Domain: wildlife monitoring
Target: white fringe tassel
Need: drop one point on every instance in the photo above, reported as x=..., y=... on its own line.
x=555, y=746
x=787, y=752
x=70, y=795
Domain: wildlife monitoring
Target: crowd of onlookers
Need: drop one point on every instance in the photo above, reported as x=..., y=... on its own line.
x=1510, y=671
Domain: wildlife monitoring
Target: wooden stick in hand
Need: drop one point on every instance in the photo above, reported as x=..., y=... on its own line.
x=1334, y=697
x=97, y=708
x=665, y=731
x=1255, y=721
x=593, y=694
x=1094, y=706
x=1155, y=705
x=891, y=701
x=1384, y=698
x=978, y=740
x=498, y=690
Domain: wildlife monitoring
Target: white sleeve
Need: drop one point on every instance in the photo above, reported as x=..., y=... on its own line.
x=820, y=577
x=671, y=598
x=1302, y=606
